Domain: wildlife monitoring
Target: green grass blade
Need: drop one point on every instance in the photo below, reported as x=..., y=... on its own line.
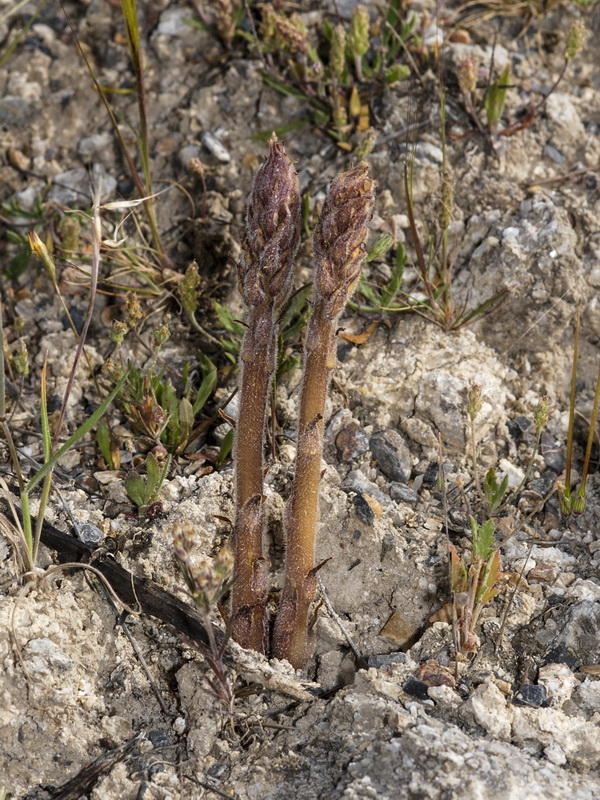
x=81, y=431
x=208, y=383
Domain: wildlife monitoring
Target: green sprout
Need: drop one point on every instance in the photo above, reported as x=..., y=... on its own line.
x=473, y=583
x=144, y=491
x=573, y=502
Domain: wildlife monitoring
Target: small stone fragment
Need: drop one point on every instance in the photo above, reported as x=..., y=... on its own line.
x=363, y=510
x=416, y=688
x=487, y=708
x=397, y=630
x=90, y=534
x=351, y=442
x=386, y=659
x=215, y=148
x=558, y=681
x=434, y=674
x=402, y=493
x=392, y=455
x=356, y=481
x=532, y=695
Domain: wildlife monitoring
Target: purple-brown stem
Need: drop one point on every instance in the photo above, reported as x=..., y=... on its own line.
x=339, y=252
x=265, y=272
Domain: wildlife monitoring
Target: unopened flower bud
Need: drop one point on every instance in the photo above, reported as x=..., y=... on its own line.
x=574, y=40
x=540, y=418
x=272, y=235
x=337, y=57
x=358, y=40
x=339, y=237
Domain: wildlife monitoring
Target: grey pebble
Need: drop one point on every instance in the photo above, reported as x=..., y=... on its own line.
x=214, y=146
x=90, y=534
x=355, y=481
x=392, y=455
x=387, y=659
x=402, y=493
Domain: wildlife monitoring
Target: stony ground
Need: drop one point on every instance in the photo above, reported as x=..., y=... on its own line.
x=391, y=720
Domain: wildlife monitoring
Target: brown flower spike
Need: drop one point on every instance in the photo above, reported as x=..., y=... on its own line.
x=269, y=246
x=339, y=247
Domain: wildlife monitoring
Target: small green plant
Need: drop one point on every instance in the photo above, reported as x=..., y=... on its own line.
x=474, y=583
x=330, y=77
x=224, y=20
x=489, y=103
x=157, y=411
x=16, y=218
x=493, y=491
x=433, y=259
x=573, y=502
x=378, y=299
x=143, y=491
x=53, y=450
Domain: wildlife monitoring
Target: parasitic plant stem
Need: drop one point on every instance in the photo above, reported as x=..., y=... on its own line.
x=269, y=247
x=339, y=253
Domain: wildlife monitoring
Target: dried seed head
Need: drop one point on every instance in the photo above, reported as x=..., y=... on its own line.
x=279, y=31
x=118, y=331
x=161, y=334
x=225, y=20
x=206, y=582
x=541, y=415
x=468, y=71
x=474, y=400
x=184, y=540
x=134, y=310
x=272, y=234
x=20, y=359
x=339, y=237
x=188, y=291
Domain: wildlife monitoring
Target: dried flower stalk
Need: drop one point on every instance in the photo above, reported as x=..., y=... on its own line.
x=338, y=241
x=269, y=247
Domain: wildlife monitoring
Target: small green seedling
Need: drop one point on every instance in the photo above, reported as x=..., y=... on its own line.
x=433, y=260
x=495, y=99
x=474, y=583
x=331, y=75
x=492, y=101
x=382, y=298
x=493, y=491
x=161, y=414
x=143, y=491
x=108, y=446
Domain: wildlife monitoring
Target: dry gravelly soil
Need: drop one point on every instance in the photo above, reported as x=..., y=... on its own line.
x=523, y=718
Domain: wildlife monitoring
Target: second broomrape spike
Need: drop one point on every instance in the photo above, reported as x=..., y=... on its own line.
x=338, y=241
x=269, y=247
